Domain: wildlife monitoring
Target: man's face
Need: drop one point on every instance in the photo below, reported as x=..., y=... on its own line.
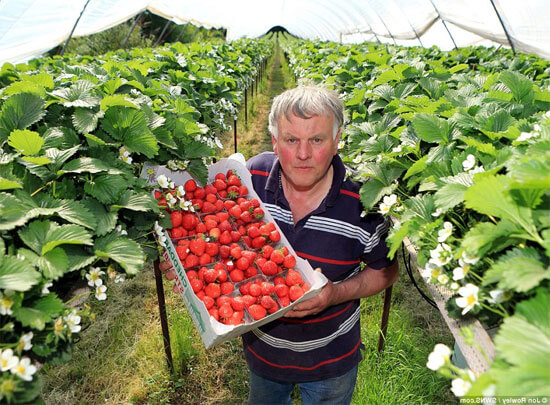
x=305, y=149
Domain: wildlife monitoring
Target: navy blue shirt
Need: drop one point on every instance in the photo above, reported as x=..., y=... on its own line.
x=336, y=238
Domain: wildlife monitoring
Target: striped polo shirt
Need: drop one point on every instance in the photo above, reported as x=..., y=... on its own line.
x=336, y=238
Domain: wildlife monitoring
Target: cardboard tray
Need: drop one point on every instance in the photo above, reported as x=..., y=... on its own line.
x=211, y=331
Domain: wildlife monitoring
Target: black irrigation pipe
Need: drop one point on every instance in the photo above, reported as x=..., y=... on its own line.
x=408, y=267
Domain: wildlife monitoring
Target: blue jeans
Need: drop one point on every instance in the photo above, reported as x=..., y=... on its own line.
x=332, y=391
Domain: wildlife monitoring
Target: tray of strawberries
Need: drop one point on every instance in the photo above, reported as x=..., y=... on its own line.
x=234, y=268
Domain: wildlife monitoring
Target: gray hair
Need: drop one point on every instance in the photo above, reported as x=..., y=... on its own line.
x=305, y=102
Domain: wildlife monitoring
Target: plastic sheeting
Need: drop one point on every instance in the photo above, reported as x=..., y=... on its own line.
x=28, y=28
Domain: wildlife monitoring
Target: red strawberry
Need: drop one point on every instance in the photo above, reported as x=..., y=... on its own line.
x=176, y=218
x=182, y=252
x=235, y=212
x=243, y=190
x=227, y=288
x=219, y=184
x=267, y=288
x=281, y=290
x=197, y=246
x=224, y=251
x=257, y=311
x=269, y=268
x=213, y=312
x=225, y=238
x=236, y=275
x=189, y=221
x=190, y=185
x=267, y=302
x=210, y=275
x=208, y=301
x=178, y=232
x=158, y=195
x=289, y=261
x=276, y=257
x=267, y=250
x=293, y=278
x=246, y=216
x=234, y=180
x=225, y=311
x=238, y=303
x=219, y=176
x=258, y=213
x=208, y=207
x=196, y=285
x=199, y=193
x=275, y=236
x=211, y=248
x=214, y=234
x=250, y=272
x=228, y=204
x=255, y=290
x=295, y=292
x=205, y=258
x=200, y=228
x=212, y=290
x=242, y=263
x=235, y=236
x=191, y=261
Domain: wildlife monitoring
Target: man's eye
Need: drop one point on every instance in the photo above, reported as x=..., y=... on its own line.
x=317, y=140
x=291, y=140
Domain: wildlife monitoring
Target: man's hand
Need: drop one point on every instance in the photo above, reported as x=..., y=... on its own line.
x=368, y=282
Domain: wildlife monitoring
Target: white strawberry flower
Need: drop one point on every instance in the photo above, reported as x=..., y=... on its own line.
x=468, y=297
x=163, y=181
x=172, y=165
x=497, y=296
x=444, y=233
x=441, y=255
x=7, y=360
x=94, y=277
x=46, y=287
x=120, y=230
x=5, y=304
x=119, y=278
x=73, y=320
x=357, y=159
x=171, y=200
x=438, y=357
x=122, y=151
x=443, y=279
x=536, y=127
x=158, y=229
x=100, y=292
x=341, y=144
x=218, y=142
x=180, y=191
x=397, y=149
x=24, y=369
x=437, y=212
x=162, y=240
x=524, y=136
x=25, y=342
x=428, y=270
x=172, y=185
x=460, y=387
x=469, y=162
x=454, y=286
x=469, y=259
x=477, y=169
x=387, y=203
x=126, y=159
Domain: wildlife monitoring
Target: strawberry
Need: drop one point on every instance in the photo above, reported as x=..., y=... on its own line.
x=249, y=300
x=210, y=189
x=267, y=250
x=255, y=290
x=214, y=234
x=210, y=275
x=243, y=190
x=279, y=280
x=197, y=246
x=200, y=228
x=189, y=221
x=219, y=184
x=235, y=212
x=223, y=299
x=212, y=248
x=269, y=268
x=208, y=301
x=232, y=192
x=267, y=288
x=295, y=292
x=236, y=275
x=258, y=242
x=257, y=311
x=236, y=318
x=242, y=263
x=294, y=278
x=205, y=258
x=228, y=204
x=199, y=193
x=225, y=238
x=246, y=217
x=227, y=288
x=213, y=312
x=234, y=180
x=225, y=311
x=250, y=272
x=220, y=176
x=212, y=290
x=250, y=255
x=281, y=290
x=243, y=289
x=182, y=252
x=190, y=185
x=191, y=261
x=219, y=205
x=196, y=285
x=236, y=251
x=276, y=257
x=207, y=206
x=176, y=218
x=274, y=236
x=224, y=251
x=178, y=232
x=238, y=303
x=211, y=198
x=267, y=302
x=158, y=195
x=289, y=261
x=258, y=213
x=221, y=274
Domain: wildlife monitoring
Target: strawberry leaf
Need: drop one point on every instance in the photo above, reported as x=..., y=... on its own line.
x=40, y=313
x=19, y=112
x=25, y=141
x=106, y=188
x=17, y=275
x=431, y=128
x=125, y=252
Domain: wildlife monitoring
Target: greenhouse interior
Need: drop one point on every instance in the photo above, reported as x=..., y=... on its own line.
x=162, y=243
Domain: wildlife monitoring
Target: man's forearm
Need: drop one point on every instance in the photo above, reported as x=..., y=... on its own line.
x=368, y=282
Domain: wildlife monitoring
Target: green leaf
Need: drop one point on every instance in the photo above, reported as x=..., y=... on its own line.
x=486, y=237
x=78, y=95
x=106, y=221
x=19, y=112
x=12, y=214
x=431, y=128
x=90, y=165
x=531, y=172
x=420, y=206
x=449, y=196
x=17, y=275
x=395, y=238
x=78, y=257
x=124, y=251
x=37, y=160
x=43, y=236
x=416, y=167
x=489, y=195
x=530, y=326
x=478, y=145
x=25, y=141
x=116, y=100
x=136, y=201
x=53, y=264
x=85, y=120
x=372, y=191
x=42, y=312
x=106, y=188
x=519, y=270
x=520, y=86
x=6, y=184
x=386, y=76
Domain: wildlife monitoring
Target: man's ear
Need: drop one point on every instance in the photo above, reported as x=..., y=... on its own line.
x=337, y=140
x=274, y=141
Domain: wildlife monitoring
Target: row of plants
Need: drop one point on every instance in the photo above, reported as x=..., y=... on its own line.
x=455, y=147
x=75, y=133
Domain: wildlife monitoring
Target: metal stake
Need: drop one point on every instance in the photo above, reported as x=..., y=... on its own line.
x=235, y=134
x=163, y=318
x=74, y=27
x=385, y=316
x=245, y=107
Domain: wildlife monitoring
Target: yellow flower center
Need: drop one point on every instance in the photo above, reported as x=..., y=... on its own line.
x=6, y=302
x=471, y=300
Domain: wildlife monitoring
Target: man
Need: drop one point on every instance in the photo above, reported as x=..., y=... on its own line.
x=317, y=344
x=302, y=183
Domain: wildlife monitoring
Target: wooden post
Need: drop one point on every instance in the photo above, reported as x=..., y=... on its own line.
x=385, y=316
x=163, y=318
x=245, y=108
x=235, y=134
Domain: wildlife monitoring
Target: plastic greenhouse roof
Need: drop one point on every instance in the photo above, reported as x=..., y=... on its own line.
x=28, y=28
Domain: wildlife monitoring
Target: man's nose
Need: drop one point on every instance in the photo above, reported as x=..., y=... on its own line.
x=304, y=150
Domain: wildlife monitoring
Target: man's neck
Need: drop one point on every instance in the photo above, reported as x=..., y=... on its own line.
x=305, y=200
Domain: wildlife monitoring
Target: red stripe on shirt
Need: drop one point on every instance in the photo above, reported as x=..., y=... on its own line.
x=334, y=360
x=351, y=193
x=294, y=320
x=324, y=260
x=260, y=172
